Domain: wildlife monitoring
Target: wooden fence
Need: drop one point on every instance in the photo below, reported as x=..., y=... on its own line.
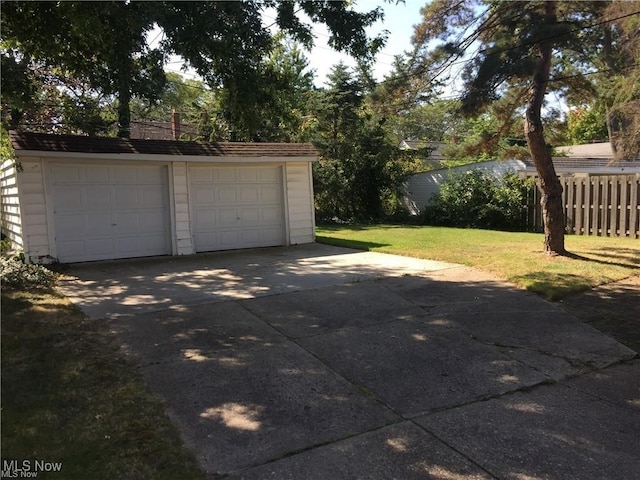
x=603, y=205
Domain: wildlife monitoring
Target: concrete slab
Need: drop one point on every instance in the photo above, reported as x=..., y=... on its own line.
x=415, y=367
x=126, y=287
x=307, y=362
x=620, y=385
x=312, y=312
x=186, y=332
x=527, y=334
x=464, y=289
x=403, y=452
x=241, y=407
x=551, y=432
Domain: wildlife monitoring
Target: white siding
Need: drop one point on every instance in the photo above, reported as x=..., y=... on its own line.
x=421, y=187
x=183, y=241
x=300, y=203
x=11, y=221
x=33, y=206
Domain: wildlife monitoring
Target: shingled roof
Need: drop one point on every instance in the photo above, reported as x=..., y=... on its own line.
x=586, y=163
x=82, y=144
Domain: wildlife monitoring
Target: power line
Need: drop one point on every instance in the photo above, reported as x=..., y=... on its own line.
x=448, y=63
x=633, y=66
x=558, y=35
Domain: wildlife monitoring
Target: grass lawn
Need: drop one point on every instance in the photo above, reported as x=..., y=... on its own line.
x=516, y=257
x=69, y=396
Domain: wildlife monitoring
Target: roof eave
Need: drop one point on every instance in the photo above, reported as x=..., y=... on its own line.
x=164, y=157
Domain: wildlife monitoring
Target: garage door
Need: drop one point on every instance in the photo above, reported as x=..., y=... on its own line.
x=236, y=207
x=110, y=211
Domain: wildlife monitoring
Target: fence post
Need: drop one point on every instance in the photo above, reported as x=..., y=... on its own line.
x=586, y=205
x=614, y=203
x=634, y=206
x=594, y=185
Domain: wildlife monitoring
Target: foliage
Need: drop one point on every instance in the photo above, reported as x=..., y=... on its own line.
x=587, y=124
x=279, y=112
x=16, y=273
x=104, y=45
x=479, y=199
x=361, y=169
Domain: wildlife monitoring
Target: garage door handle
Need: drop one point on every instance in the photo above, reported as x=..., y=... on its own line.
x=114, y=224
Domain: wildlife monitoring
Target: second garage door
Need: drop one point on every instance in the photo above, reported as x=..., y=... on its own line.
x=236, y=207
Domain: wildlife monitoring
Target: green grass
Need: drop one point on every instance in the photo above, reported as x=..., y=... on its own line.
x=516, y=257
x=69, y=396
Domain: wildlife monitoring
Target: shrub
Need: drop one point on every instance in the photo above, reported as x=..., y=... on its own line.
x=16, y=273
x=478, y=199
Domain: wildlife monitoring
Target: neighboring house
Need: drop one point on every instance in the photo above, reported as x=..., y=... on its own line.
x=173, y=130
x=434, y=160
x=151, y=130
x=587, y=150
x=587, y=166
x=421, y=187
x=76, y=198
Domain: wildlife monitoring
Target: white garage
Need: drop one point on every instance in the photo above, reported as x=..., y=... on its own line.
x=75, y=199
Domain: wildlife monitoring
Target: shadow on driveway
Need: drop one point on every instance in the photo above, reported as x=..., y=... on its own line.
x=319, y=362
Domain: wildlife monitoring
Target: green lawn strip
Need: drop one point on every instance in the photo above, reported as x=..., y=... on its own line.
x=516, y=257
x=69, y=396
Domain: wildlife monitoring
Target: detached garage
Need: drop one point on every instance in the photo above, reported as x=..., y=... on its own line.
x=75, y=199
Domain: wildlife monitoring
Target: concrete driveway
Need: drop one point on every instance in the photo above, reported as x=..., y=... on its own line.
x=316, y=362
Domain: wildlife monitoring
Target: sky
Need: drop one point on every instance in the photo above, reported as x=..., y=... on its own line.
x=399, y=21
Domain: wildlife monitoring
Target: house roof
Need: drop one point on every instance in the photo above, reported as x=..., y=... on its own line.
x=42, y=142
x=589, y=150
x=587, y=164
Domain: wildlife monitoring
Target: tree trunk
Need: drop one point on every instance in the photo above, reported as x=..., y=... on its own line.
x=552, y=208
x=608, y=59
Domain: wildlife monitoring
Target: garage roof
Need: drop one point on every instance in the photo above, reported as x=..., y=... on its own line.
x=44, y=142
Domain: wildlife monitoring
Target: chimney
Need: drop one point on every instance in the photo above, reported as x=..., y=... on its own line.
x=175, y=124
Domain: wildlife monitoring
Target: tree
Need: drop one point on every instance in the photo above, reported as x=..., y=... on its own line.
x=515, y=51
x=105, y=43
x=361, y=167
x=587, y=124
x=621, y=85
x=279, y=110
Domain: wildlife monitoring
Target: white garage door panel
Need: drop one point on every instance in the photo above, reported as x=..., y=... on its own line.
x=237, y=207
x=110, y=211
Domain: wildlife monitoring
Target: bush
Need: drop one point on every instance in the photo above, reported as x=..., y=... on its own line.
x=478, y=199
x=16, y=273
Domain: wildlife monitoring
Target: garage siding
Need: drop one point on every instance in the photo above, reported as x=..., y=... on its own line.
x=33, y=211
x=183, y=239
x=10, y=206
x=300, y=203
